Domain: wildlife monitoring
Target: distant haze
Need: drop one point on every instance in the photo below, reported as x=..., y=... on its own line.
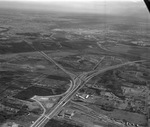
x=112, y=7
x=71, y=0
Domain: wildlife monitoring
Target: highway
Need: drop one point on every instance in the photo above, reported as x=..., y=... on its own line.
x=78, y=83
x=72, y=76
x=99, y=63
x=58, y=65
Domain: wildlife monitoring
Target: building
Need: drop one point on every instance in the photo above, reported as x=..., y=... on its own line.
x=82, y=95
x=69, y=113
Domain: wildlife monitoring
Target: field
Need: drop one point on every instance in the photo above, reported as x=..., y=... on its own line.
x=80, y=43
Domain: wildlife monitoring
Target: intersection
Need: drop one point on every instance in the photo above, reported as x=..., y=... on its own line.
x=77, y=83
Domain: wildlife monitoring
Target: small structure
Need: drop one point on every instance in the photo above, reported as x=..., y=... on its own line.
x=82, y=95
x=69, y=113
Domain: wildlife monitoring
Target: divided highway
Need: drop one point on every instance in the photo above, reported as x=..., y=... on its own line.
x=77, y=82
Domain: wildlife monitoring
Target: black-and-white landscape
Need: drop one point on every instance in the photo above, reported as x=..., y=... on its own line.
x=74, y=63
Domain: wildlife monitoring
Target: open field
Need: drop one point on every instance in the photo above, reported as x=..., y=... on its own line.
x=46, y=57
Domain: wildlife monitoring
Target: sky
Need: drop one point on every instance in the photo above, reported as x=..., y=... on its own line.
x=80, y=6
x=73, y=0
